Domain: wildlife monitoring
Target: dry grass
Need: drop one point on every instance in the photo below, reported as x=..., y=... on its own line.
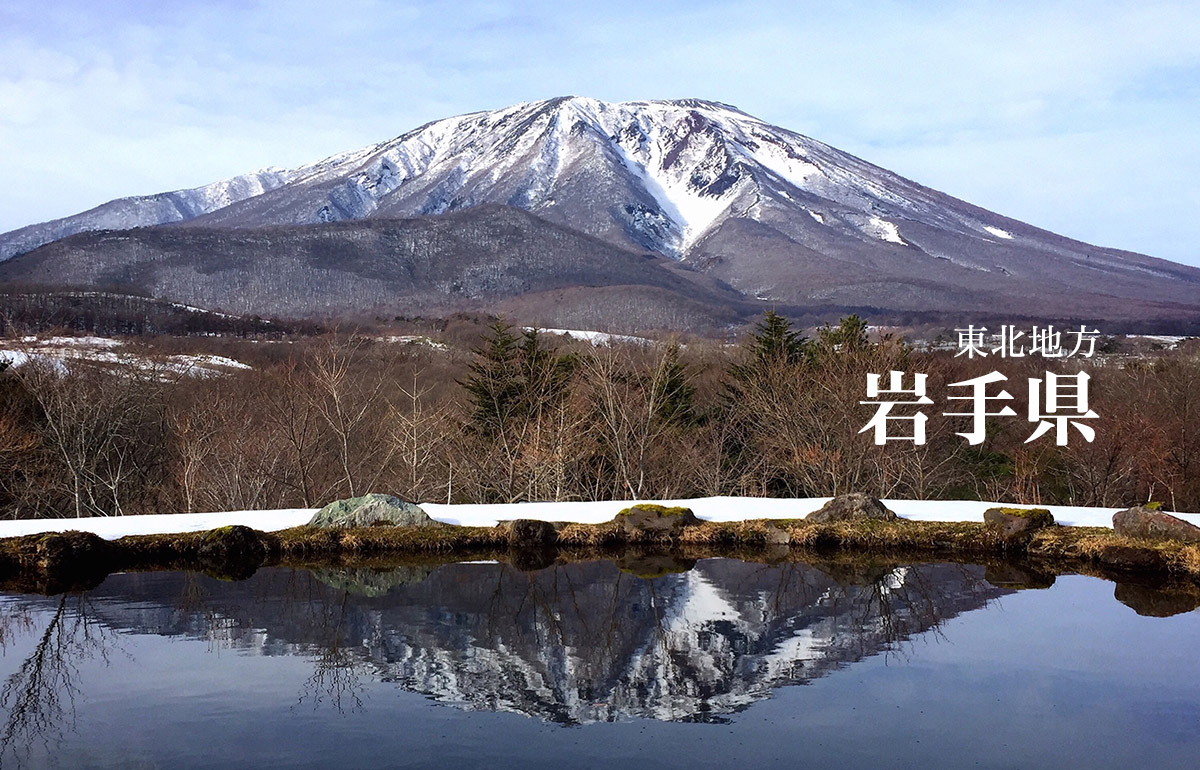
x=364, y=541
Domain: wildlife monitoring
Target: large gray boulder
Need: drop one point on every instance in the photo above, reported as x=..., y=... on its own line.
x=1145, y=522
x=370, y=511
x=855, y=506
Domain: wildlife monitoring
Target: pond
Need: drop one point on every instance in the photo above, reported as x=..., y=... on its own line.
x=712, y=664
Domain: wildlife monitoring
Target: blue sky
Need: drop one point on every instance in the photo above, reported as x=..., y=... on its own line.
x=1080, y=117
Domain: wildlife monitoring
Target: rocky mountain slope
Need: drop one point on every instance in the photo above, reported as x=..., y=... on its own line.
x=476, y=259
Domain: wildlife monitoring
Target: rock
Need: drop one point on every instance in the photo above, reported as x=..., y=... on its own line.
x=72, y=552
x=1144, y=522
x=773, y=535
x=1130, y=558
x=1017, y=576
x=855, y=506
x=657, y=519
x=364, y=581
x=651, y=566
x=1158, y=600
x=372, y=510
x=55, y=562
x=232, y=552
x=531, y=559
x=1017, y=523
x=531, y=533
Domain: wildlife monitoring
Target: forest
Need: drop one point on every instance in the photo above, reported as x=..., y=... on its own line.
x=517, y=415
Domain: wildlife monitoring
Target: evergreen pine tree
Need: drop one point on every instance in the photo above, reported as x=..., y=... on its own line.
x=544, y=374
x=674, y=399
x=772, y=342
x=850, y=334
x=494, y=385
x=513, y=377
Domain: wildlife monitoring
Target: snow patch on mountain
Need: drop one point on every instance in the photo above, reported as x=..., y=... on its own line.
x=884, y=230
x=996, y=231
x=795, y=170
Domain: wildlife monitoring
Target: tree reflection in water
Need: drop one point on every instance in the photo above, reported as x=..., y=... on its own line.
x=39, y=698
x=335, y=680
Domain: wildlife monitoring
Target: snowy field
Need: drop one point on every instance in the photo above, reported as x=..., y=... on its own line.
x=710, y=508
x=59, y=352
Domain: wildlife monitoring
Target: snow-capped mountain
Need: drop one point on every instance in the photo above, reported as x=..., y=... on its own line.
x=775, y=215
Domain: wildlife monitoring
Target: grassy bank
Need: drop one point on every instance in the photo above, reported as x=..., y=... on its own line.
x=62, y=561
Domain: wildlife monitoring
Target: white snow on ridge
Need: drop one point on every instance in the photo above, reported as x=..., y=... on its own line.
x=665, y=145
x=664, y=162
x=885, y=230
x=996, y=231
x=229, y=191
x=794, y=171
x=487, y=515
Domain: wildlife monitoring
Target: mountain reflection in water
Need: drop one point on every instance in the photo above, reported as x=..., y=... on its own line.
x=571, y=644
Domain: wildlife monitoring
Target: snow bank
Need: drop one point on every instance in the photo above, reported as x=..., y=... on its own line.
x=113, y=527
x=709, y=508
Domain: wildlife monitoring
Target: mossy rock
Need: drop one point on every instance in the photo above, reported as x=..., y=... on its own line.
x=372, y=510
x=1017, y=525
x=657, y=510
x=654, y=519
x=71, y=551
x=1040, y=516
x=66, y=561
x=234, y=552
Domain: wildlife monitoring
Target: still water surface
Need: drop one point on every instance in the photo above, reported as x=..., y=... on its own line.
x=725, y=665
